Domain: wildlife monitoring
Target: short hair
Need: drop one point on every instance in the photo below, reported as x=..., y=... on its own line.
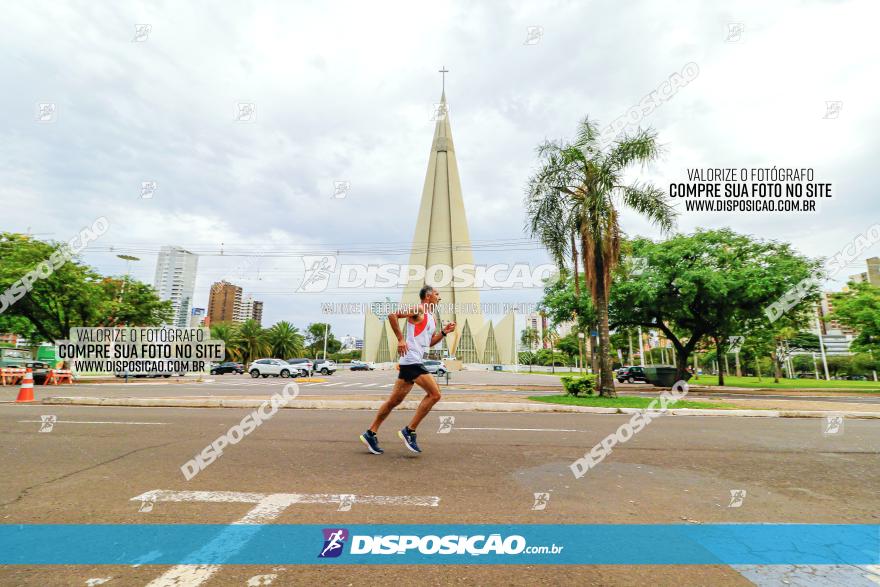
x=426, y=289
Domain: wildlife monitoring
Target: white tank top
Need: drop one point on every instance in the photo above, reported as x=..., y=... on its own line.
x=418, y=340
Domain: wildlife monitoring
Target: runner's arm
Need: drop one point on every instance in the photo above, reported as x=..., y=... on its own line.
x=395, y=328
x=438, y=336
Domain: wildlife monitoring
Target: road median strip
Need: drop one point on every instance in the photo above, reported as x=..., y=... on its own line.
x=221, y=402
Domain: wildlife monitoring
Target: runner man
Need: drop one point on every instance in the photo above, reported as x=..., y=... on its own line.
x=421, y=334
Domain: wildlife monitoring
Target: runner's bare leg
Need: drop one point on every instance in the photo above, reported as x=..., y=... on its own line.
x=432, y=396
x=398, y=394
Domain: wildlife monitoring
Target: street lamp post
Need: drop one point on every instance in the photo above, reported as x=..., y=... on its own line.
x=128, y=259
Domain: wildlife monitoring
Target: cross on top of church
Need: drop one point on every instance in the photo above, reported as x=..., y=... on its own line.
x=443, y=72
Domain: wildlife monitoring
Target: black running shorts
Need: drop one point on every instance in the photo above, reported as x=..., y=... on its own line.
x=409, y=373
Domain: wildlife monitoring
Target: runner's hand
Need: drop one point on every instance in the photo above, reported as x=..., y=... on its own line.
x=449, y=327
x=402, y=348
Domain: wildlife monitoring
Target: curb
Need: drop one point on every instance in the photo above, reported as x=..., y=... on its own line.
x=219, y=402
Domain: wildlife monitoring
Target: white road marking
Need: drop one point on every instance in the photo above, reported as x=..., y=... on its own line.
x=332, y=384
x=268, y=507
x=97, y=581
x=370, y=384
x=84, y=422
x=522, y=429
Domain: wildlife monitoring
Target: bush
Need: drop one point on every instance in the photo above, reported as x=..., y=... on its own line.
x=578, y=385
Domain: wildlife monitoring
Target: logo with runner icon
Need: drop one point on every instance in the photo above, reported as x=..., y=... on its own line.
x=334, y=541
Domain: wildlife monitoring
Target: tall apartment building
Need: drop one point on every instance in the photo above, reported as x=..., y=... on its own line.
x=830, y=327
x=176, y=280
x=224, y=303
x=538, y=322
x=250, y=309
x=257, y=314
x=872, y=275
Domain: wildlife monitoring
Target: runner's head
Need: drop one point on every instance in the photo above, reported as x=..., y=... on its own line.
x=429, y=295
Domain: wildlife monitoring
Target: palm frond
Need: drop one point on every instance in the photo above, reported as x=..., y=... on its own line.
x=649, y=201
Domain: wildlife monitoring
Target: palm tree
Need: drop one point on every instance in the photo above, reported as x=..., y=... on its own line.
x=228, y=333
x=550, y=338
x=251, y=340
x=285, y=340
x=529, y=338
x=573, y=200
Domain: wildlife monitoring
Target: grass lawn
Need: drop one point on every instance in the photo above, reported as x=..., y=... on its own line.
x=767, y=383
x=623, y=401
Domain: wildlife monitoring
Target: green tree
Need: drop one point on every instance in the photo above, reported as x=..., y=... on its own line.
x=859, y=308
x=70, y=295
x=315, y=339
x=529, y=338
x=228, y=333
x=251, y=341
x=578, y=191
x=563, y=302
x=712, y=284
x=550, y=338
x=285, y=340
x=839, y=365
x=128, y=302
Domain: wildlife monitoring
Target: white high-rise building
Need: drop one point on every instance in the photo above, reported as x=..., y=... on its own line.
x=246, y=309
x=176, y=281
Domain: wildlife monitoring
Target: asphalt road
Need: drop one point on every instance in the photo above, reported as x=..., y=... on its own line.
x=95, y=460
x=378, y=384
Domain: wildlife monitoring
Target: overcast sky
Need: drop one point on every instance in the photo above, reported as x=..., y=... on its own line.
x=345, y=91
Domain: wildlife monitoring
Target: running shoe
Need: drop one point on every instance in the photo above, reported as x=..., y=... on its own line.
x=409, y=439
x=372, y=441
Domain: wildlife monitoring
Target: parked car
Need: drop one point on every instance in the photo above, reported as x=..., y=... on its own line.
x=304, y=366
x=362, y=366
x=228, y=367
x=273, y=367
x=325, y=367
x=631, y=374
x=40, y=371
x=436, y=367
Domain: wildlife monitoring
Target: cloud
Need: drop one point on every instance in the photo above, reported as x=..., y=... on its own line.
x=346, y=93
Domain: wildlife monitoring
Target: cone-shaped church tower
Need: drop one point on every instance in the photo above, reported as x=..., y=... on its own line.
x=440, y=243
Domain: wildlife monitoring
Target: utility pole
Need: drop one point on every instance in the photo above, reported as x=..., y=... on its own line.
x=822, y=347
x=326, y=328
x=629, y=338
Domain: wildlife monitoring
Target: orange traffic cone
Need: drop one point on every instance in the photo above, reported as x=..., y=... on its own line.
x=26, y=393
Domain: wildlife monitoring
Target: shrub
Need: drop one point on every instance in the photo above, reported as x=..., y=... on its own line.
x=577, y=385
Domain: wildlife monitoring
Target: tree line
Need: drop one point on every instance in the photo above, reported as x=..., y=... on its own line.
x=698, y=289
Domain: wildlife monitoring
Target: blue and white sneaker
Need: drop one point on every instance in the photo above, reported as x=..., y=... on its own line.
x=372, y=441
x=409, y=439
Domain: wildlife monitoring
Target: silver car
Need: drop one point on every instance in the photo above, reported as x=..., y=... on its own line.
x=436, y=367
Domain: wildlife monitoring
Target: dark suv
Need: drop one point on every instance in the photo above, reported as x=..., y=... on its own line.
x=224, y=368
x=631, y=375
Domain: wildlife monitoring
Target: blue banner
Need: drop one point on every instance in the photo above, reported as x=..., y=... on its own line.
x=562, y=544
